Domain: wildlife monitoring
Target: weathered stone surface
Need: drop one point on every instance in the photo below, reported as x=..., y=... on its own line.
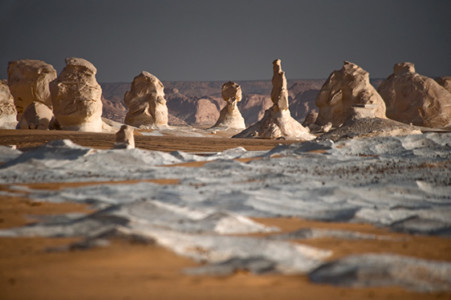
x=445, y=81
x=36, y=116
x=146, y=103
x=230, y=116
x=8, y=112
x=348, y=93
x=28, y=82
x=279, y=92
x=277, y=121
x=125, y=138
x=414, y=98
x=76, y=97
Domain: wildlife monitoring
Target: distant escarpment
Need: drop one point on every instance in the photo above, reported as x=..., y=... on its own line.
x=199, y=103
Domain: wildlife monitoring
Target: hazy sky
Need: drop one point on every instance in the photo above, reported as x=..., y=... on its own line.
x=228, y=39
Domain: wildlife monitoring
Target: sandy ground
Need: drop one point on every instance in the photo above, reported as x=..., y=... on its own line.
x=42, y=268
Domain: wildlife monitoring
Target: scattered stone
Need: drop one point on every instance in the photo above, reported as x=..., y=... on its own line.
x=125, y=138
x=348, y=93
x=146, y=103
x=28, y=82
x=414, y=98
x=76, y=97
x=8, y=111
x=230, y=116
x=277, y=121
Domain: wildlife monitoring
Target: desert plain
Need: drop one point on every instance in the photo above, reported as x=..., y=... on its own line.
x=209, y=217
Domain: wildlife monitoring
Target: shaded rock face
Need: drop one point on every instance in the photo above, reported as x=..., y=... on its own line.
x=125, y=138
x=230, y=116
x=277, y=121
x=76, y=97
x=348, y=93
x=445, y=81
x=36, y=116
x=146, y=103
x=414, y=98
x=28, y=82
x=8, y=111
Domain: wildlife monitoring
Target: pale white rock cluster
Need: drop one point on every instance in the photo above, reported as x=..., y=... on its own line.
x=346, y=94
x=277, y=121
x=8, y=112
x=146, y=102
x=417, y=99
x=28, y=81
x=76, y=97
x=230, y=116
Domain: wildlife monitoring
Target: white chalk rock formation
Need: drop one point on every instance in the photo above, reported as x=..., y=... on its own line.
x=348, y=93
x=28, y=82
x=414, y=98
x=146, y=103
x=125, y=138
x=277, y=121
x=8, y=112
x=76, y=97
x=230, y=116
x=36, y=116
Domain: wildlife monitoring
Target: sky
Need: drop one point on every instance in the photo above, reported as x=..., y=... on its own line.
x=223, y=40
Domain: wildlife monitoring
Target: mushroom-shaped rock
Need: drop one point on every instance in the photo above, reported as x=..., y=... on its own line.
x=277, y=121
x=36, y=116
x=414, y=98
x=125, y=138
x=76, y=97
x=230, y=116
x=8, y=111
x=28, y=82
x=348, y=93
x=146, y=103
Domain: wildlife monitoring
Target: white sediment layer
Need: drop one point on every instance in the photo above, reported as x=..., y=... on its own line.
x=402, y=183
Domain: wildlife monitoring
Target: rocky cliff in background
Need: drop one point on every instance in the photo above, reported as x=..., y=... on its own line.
x=199, y=103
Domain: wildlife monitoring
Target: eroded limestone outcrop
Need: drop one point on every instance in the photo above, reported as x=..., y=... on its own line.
x=125, y=138
x=76, y=97
x=230, y=116
x=277, y=121
x=28, y=82
x=8, y=112
x=414, y=98
x=36, y=116
x=348, y=93
x=146, y=103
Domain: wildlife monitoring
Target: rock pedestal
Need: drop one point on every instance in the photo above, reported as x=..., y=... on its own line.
x=277, y=121
x=414, y=98
x=348, y=93
x=76, y=97
x=146, y=103
x=8, y=112
x=28, y=82
x=230, y=116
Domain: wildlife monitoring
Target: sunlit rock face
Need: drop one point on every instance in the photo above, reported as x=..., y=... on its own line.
x=277, y=121
x=146, y=102
x=76, y=97
x=230, y=116
x=414, y=98
x=348, y=93
x=8, y=111
x=28, y=82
